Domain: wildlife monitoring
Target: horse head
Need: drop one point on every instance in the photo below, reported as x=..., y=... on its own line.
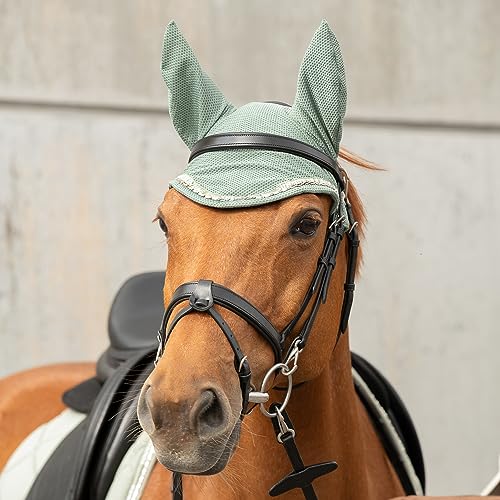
x=250, y=227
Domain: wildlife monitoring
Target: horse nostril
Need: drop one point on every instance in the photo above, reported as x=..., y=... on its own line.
x=208, y=415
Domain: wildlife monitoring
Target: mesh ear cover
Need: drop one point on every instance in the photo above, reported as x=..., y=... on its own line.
x=250, y=177
x=195, y=102
x=320, y=102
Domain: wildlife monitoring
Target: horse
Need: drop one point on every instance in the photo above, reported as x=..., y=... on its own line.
x=220, y=360
x=327, y=413
x=270, y=265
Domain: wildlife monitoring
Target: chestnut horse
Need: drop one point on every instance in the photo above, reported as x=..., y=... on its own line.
x=254, y=252
x=192, y=404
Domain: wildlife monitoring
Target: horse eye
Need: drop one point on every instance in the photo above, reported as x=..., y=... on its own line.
x=162, y=225
x=306, y=227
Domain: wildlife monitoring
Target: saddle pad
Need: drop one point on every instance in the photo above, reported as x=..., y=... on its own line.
x=83, y=465
x=393, y=424
x=31, y=455
x=134, y=470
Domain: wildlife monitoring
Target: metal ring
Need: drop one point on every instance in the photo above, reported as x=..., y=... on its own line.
x=291, y=371
x=278, y=366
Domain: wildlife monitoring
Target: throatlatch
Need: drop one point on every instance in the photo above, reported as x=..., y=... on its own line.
x=203, y=295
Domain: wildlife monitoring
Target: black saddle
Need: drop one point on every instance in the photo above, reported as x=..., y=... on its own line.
x=84, y=464
x=387, y=396
x=133, y=320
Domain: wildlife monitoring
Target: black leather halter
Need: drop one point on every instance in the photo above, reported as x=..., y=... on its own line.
x=203, y=295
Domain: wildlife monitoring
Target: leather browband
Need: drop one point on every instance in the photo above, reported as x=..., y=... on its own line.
x=270, y=142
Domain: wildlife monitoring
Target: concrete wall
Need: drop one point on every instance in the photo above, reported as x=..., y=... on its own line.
x=86, y=152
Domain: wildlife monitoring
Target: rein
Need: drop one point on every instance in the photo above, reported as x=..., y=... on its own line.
x=203, y=295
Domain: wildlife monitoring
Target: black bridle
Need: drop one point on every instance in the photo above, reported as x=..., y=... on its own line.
x=203, y=295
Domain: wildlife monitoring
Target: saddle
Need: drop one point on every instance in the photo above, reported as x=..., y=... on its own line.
x=85, y=462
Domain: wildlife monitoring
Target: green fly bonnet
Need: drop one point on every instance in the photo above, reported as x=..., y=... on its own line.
x=249, y=177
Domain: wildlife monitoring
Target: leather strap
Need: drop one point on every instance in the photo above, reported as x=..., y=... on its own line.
x=240, y=362
x=269, y=142
x=318, y=289
x=177, y=486
x=233, y=302
x=302, y=476
x=202, y=295
x=349, y=285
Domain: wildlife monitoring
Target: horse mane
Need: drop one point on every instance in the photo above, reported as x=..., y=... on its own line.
x=358, y=210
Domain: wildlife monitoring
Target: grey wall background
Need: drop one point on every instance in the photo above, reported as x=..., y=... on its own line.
x=86, y=152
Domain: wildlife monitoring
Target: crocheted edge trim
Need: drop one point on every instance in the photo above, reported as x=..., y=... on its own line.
x=187, y=181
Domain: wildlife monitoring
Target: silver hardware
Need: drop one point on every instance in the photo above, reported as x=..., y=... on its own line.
x=160, y=348
x=287, y=371
x=258, y=397
x=276, y=367
x=290, y=371
x=293, y=356
x=353, y=225
x=337, y=221
x=284, y=429
x=243, y=359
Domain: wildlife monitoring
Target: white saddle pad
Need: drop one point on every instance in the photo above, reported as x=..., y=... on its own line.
x=29, y=458
x=26, y=462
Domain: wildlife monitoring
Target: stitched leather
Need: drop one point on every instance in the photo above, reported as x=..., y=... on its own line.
x=236, y=304
x=202, y=295
x=270, y=142
x=99, y=419
x=349, y=285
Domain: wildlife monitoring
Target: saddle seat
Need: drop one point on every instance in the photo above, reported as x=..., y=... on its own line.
x=91, y=454
x=133, y=320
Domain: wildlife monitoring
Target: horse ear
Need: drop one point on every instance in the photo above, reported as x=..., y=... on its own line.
x=321, y=97
x=195, y=102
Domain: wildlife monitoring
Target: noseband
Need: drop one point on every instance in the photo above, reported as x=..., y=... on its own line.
x=201, y=296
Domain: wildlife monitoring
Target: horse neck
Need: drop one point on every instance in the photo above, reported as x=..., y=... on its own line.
x=330, y=424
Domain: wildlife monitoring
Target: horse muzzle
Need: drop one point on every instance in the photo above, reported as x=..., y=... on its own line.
x=195, y=434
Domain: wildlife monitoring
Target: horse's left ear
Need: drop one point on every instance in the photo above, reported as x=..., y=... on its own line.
x=321, y=97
